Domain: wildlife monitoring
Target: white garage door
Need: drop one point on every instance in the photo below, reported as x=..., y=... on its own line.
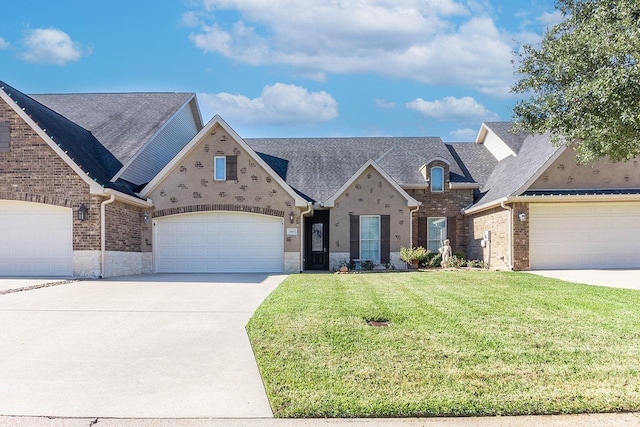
x=35, y=239
x=603, y=235
x=218, y=242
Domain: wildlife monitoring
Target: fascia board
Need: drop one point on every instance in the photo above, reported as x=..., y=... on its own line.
x=147, y=203
x=582, y=198
x=330, y=202
x=94, y=187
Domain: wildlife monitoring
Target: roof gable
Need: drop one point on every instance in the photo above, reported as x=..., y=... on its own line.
x=77, y=146
x=208, y=129
x=318, y=167
x=371, y=163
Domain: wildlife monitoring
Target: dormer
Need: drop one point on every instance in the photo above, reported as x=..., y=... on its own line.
x=436, y=172
x=493, y=143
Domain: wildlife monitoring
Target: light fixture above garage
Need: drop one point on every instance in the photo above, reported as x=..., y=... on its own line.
x=83, y=212
x=145, y=217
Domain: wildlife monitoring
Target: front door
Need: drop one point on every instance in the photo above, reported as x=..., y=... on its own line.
x=317, y=241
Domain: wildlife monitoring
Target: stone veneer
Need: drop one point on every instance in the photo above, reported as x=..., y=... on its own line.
x=369, y=194
x=189, y=187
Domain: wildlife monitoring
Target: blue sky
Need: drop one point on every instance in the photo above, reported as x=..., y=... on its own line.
x=285, y=68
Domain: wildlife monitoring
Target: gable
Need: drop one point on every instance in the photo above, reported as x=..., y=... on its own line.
x=192, y=172
x=378, y=181
x=492, y=142
x=566, y=174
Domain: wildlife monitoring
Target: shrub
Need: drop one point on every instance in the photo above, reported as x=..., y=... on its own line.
x=432, y=260
x=409, y=255
x=456, y=262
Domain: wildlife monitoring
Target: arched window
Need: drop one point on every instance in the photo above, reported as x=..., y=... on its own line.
x=437, y=179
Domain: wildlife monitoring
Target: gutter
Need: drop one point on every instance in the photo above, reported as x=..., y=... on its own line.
x=103, y=226
x=308, y=211
x=411, y=212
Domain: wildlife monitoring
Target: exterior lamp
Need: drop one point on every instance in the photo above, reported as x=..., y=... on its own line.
x=291, y=217
x=145, y=217
x=83, y=212
x=522, y=217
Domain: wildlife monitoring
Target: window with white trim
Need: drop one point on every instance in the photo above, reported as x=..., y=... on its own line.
x=370, y=238
x=220, y=168
x=225, y=168
x=436, y=233
x=437, y=179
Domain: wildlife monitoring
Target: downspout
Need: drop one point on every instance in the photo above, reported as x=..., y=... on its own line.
x=103, y=226
x=411, y=212
x=510, y=209
x=302, y=235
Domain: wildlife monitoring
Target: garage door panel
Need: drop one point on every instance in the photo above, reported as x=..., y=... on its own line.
x=219, y=242
x=605, y=235
x=35, y=239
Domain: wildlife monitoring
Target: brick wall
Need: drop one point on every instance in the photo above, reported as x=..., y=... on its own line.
x=32, y=171
x=446, y=204
x=497, y=221
x=520, y=237
x=123, y=222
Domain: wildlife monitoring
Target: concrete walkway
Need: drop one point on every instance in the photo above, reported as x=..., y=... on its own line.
x=628, y=279
x=585, y=420
x=157, y=346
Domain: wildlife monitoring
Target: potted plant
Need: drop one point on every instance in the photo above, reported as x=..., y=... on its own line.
x=413, y=256
x=344, y=267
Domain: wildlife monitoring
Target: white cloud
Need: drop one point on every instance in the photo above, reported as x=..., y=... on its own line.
x=4, y=44
x=450, y=109
x=432, y=41
x=550, y=19
x=463, y=135
x=279, y=104
x=51, y=46
x=384, y=104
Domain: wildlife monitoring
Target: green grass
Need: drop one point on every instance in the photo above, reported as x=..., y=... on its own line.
x=461, y=343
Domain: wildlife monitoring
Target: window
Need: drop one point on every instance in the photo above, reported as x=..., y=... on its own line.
x=225, y=168
x=370, y=238
x=436, y=233
x=220, y=168
x=437, y=179
x=4, y=137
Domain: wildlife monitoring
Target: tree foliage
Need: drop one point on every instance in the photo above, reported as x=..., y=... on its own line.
x=584, y=80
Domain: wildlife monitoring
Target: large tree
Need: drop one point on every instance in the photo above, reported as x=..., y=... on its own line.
x=583, y=80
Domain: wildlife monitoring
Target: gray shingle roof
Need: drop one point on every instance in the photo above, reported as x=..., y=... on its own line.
x=79, y=144
x=318, y=167
x=475, y=161
x=511, y=173
x=122, y=122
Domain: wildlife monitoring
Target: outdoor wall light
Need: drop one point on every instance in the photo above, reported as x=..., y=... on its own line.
x=145, y=217
x=522, y=216
x=291, y=217
x=83, y=212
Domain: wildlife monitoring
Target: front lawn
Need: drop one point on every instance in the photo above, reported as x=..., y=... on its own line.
x=460, y=343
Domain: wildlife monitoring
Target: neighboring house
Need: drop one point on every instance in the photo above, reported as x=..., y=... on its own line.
x=166, y=193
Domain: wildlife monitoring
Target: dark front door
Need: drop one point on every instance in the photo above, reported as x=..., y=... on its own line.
x=317, y=241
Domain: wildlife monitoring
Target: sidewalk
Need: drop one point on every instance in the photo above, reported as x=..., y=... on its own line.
x=583, y=420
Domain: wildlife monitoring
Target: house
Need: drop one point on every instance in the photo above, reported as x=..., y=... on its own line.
x=97, y=185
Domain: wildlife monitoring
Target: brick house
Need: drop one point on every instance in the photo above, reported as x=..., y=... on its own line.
x=110, y=184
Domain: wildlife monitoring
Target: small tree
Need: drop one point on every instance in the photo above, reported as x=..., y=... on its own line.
x=584, y=78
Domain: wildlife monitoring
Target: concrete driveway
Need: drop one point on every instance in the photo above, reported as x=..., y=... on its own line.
x=629, y=279
x=153, y=346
